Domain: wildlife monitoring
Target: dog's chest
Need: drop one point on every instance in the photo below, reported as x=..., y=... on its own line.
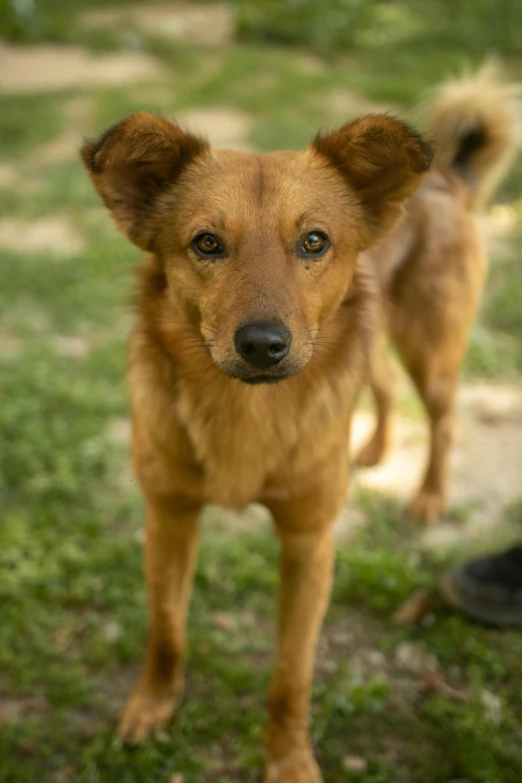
x=240, y=437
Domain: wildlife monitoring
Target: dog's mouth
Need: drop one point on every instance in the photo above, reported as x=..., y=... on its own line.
x=252, y=376
x=258, y=379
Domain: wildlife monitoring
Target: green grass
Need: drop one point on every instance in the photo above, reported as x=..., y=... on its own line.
x=71, y=590
x=18, y=129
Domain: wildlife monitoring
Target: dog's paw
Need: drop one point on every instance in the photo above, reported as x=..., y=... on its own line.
x=295, y=768
x=145, y=714
x=371, y=454
x=428, y=507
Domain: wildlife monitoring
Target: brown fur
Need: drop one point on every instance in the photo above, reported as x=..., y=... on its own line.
x=201, y=431
x=431, y=268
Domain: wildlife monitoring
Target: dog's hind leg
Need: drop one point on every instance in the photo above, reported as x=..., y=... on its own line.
x=432, y=302
x=170, y=556
x=431, y=342
x=381, y=382
x=437, y=388
x=431, y=336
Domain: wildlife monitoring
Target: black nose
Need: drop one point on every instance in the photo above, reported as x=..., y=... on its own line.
x=263, y=344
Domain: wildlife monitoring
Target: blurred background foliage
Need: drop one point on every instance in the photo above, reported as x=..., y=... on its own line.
x=329, y=26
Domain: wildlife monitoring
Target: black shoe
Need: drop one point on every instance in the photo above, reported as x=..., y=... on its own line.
x=488, y=589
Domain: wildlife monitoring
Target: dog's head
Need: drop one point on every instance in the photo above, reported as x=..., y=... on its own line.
x=256, y=250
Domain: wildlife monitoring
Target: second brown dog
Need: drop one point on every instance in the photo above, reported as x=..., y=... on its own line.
x=431, y=269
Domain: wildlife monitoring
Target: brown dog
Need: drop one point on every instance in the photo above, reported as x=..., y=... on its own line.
x=431, y=267
x=254, y=277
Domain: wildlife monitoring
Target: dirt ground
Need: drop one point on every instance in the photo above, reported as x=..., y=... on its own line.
x=486, y=461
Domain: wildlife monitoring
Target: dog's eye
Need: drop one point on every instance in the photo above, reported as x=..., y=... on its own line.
x=315, y=244
x=207, y=245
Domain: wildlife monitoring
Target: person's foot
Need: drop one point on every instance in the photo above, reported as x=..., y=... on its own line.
x=488, y=589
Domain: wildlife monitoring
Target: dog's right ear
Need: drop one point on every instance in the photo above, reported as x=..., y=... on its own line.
x=133, y=163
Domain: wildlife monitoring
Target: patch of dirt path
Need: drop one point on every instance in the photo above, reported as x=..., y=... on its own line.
x=50, y=234
x=211, y=24
x=8, y=175
x=343, y=105
x=224, y=127
x=486, y=460
x=51, y=67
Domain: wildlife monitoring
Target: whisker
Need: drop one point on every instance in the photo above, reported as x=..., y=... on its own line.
x=194, y=343
x=190, y=351
x=195, y=327
x=191, y=341
x=291, y=312
x=210, y=367
x=320, y=353
x=209, y=328
x=324, y=335
x=326, y=349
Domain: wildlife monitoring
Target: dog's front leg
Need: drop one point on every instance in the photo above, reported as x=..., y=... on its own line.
x=306, y=575
x=170, y=556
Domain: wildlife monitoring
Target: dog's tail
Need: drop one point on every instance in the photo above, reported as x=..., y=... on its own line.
x=475, y=125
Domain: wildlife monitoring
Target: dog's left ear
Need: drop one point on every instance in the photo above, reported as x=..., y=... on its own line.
x=383, y=161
